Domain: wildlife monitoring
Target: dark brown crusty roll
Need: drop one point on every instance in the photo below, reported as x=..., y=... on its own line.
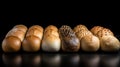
x=33, y=38
x=70, y=43
x=13, y=39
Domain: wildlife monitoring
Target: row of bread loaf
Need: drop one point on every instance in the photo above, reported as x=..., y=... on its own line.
x=65, y=38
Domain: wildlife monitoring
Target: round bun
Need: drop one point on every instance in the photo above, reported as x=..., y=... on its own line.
x=90, y=43
x=11, y=44
x=31, y=43
x=110, y=43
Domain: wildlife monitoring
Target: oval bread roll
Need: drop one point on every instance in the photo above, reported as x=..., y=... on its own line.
x=109, y=43
x=51, y=41
x=33, y=38
x=70, y=42
x=13, y=39
x=90, y=43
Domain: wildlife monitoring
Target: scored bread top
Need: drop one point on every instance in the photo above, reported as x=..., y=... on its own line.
x=52, y=27
x=35, y=30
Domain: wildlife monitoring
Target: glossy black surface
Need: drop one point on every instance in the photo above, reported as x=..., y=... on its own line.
x=60, y=60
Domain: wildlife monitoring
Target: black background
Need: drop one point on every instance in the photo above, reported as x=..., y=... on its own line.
x=7, y=22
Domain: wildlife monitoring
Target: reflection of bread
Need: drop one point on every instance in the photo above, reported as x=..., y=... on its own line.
x=90, y=43
x=70, y=42
x=33, y=38
x=51, y=41
x=109, y=43
x=13, y=39
x=95, y=29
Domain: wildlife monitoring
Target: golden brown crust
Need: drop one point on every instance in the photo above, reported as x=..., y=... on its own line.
x=51, y=32
x=13, y=39
x=21, y=27
x=80, y=27
x=35, y=32
x=11, y=44
x=96, y=29
x=82, y=33
x=40, y=28
x=31, y=43
x=52, y=27
x=104, y=32
x=18, y=31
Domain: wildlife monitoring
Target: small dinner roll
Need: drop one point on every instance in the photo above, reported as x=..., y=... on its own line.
x=13, y=39
x=109, y=43
x=90, y=43
x=70, y=42
x=32, y=41
x=51, y=41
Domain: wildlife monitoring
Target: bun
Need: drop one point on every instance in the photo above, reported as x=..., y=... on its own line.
x=70, y=43
x=51, y=41
x=13, y=39
x=33, y=38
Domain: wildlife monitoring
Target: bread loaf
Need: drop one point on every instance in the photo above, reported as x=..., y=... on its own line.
x=51, y=41
x=32, y=41
x=70, y=42
x=13, y=39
